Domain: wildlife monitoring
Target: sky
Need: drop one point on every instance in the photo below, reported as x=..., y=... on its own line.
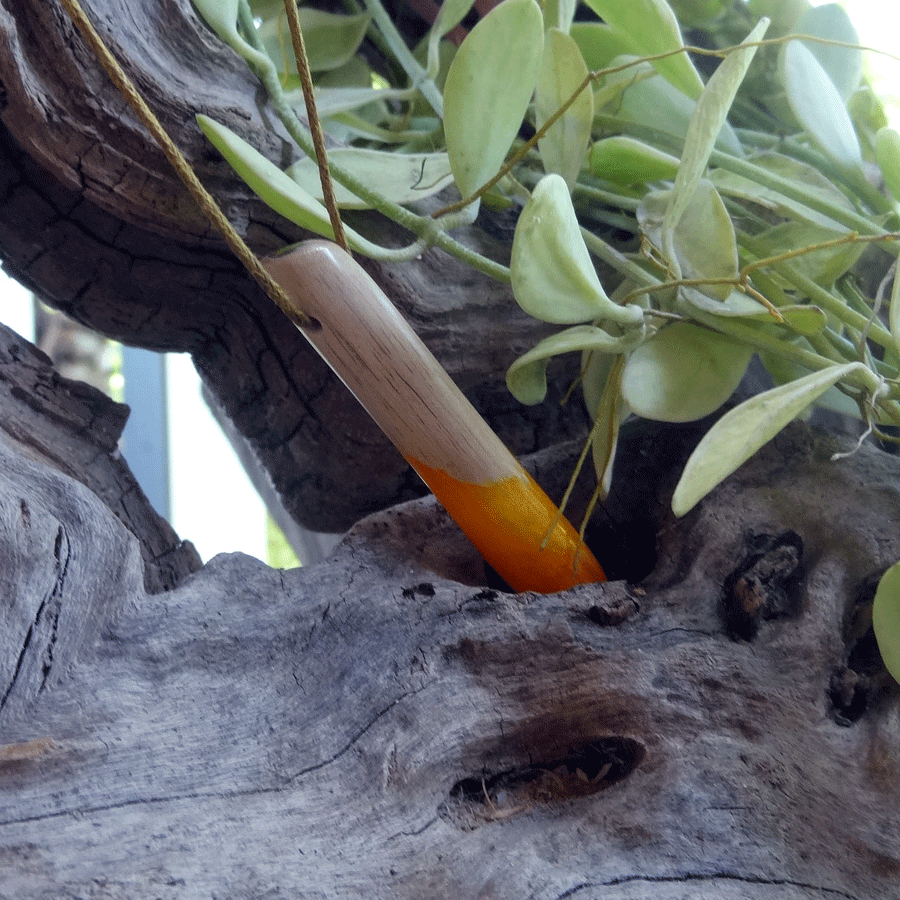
x=878, y=24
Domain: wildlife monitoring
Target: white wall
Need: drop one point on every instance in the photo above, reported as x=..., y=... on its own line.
x=213, y=503
x=16, y=308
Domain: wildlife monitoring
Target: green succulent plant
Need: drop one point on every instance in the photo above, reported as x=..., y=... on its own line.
x=731, y=207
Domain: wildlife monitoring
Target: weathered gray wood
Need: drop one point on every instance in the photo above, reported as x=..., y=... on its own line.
x=255, y=733
x=92, y=219
x=75, y=428
x=383, y=725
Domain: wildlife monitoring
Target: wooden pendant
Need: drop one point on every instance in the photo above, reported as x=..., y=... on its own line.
x=375, y=352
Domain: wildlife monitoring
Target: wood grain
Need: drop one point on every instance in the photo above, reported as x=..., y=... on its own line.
x=320, y=733
x=387, y=367
x=370, y=346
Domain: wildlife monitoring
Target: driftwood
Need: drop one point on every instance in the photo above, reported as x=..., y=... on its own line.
x=75, y=429
x=389, y=723
x=386, y=724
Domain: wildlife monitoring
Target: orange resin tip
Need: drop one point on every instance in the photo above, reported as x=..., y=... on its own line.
x=508, y=521
x=373, y=350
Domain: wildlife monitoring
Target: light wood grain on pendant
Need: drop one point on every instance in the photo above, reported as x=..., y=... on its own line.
x=370, y=346
x=388, y=368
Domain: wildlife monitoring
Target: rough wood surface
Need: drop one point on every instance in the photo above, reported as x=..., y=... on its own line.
x=92, y=218
x=383, y=725
x=75, y=429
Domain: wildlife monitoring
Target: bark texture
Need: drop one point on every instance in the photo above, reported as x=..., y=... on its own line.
x=389, y=723
x=75, y=429
x=386, y=725
x=93, y=219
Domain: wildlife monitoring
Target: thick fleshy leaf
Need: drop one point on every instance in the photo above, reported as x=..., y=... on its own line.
x=266, y=180
x=399, y=177
x=834, y=400
x=263, y=9
x=784, y=13
x=450, y=14
x=703, y=244
x=600, y=44
x=887, y=152
x=894, y=312
x=595, y=369
x=815, y=185
x=446, y=50
x=655, y=103
x=564, y=147
x=273, y=187
x=805, y=320
x=526, y=378
x=559, y=14
x=488, y=87
x=553, y=278
x=222, y=16
x=683, y=373
x=349, y=88
x=603, y=377
x=817, y=105
x=867, y=110
x=703, y=132
x=330, y=40
x=698, y=12
x=625, y=160
x=844, y=65
x=746, y=428
x=652, y=25
x=333, y=100
x=735, y=305
x=886, y=619
x=822, y=266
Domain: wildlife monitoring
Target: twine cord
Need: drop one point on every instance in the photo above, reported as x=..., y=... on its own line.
x=315, y=127
x=182, y=167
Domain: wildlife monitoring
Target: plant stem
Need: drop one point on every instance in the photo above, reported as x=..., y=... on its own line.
x=758, y=174
x=768, y=288
x=619, y=221
x=417, y=75
x=761, y=340
x=815, y=292
x=852, y=180
x=795, y=191
x=385, y=135
x=618, y=260
x=431, y=232
x=609, y=198
x=829, y=343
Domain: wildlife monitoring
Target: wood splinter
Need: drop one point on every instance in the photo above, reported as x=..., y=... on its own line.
x=378, y=356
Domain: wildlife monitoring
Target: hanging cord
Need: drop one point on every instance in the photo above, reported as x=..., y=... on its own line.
x=182, y=167
x=315, y=127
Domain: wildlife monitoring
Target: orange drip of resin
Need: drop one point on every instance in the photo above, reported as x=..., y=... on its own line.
x=507, y=521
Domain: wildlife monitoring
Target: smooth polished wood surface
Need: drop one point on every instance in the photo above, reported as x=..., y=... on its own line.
x=375, y=352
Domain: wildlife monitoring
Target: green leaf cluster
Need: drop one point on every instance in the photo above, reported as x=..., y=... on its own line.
x=681, y=210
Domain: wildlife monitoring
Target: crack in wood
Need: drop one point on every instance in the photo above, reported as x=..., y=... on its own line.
x=48, y=611
x=585, y=770
x=62, y=552
x=712, y=878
